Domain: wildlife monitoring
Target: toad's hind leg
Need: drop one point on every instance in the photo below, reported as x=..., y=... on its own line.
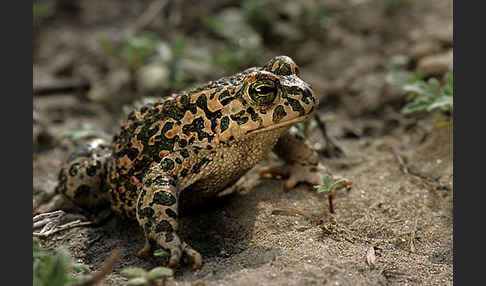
x=82, y=177
x=157, y=214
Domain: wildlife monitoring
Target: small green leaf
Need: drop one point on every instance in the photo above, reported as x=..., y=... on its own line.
x=137, y=281
x=427, y=96
x=134, y=272
x=79, y=267
x=161, y=253
x=328, y=184
x=56, y=269
x=81, y=277
x=159, y=272
x=443, y=102
x=179, y=46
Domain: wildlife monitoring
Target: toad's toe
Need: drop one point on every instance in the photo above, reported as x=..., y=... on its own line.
x=294, y=174
x=194, y=256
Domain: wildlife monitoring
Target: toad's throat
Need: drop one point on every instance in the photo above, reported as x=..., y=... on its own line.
x=281, y=124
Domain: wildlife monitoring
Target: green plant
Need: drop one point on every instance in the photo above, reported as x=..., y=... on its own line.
x=42, y=10
x=56, y=269
x=430, y=95
x=134, y=51
x=257, y=16
x=319, y=17
x=140, y=276
x=177, y=78
x=329, y=184
x=161, y=253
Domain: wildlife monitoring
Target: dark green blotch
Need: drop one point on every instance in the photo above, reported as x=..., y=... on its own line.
x=170, y=213
x=161, y=142
x=215, y=92
x=146, y=132
x=182, y=143
x=184, y=172
x=146, y=212
x=163, y=198
x=164, y=226
x=225, y=98
x=278, y=114
x=172, y=110
x=296, y=106
x=73, y=170
x=197, y=126
x=239, y=118
x=292, y=90
x=184, y=153
x=167, y=164
x=156, y=158
x=224, y=124
x=187, y=105
x=131, y=116
x=253, y=115
x=202, y=103
x=163, y=181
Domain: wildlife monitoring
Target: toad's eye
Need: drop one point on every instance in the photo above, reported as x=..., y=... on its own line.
x=263, y=92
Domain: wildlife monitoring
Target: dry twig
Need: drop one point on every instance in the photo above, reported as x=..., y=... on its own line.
x=401, y=160
x=332, y=149
x=50, y=223
x=62, y=86
x=412, y=236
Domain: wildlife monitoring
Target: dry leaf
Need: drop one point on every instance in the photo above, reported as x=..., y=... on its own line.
x=370, y=257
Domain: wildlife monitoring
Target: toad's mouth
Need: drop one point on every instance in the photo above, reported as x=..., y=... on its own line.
x=282, y=124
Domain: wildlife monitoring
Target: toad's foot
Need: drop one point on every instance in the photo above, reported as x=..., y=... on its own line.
x=294, y=174
x=176, y=249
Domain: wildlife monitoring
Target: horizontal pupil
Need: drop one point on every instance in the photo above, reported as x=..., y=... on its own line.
x=264, y=89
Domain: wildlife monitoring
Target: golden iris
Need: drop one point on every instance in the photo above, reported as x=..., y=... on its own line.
x=263, y=92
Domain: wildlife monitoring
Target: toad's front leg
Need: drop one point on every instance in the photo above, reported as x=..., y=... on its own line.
x=157, y=214
x=301, y=162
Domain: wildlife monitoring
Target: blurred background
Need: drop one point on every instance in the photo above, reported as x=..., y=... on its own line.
x=353, y=52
